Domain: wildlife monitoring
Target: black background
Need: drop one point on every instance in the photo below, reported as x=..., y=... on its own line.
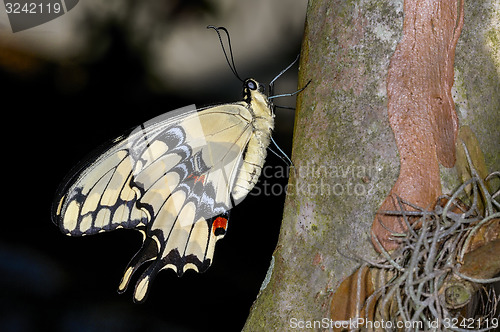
x=51, y=120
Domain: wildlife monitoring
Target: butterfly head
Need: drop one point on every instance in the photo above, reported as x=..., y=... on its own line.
x=254, y=93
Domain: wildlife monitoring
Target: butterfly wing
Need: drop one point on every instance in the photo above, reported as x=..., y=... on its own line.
x=171, y=179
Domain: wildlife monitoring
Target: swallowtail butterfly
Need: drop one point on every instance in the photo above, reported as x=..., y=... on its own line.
x=174, y=179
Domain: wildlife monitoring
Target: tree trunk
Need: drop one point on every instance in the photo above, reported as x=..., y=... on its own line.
x=345, y=152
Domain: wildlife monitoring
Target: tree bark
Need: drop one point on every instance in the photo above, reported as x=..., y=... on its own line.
x=345, y=152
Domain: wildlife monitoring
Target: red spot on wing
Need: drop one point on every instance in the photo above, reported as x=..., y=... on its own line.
x=219, y=224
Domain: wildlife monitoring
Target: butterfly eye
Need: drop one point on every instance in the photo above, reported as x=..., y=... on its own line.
x=251, y=85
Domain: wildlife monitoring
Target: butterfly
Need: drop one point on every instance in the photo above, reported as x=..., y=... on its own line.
x=175, y=179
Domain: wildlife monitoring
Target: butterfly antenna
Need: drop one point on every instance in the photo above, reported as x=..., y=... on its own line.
x=230, y=63
x=282, y=155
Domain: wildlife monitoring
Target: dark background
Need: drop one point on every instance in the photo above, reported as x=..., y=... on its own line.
x=57, y=110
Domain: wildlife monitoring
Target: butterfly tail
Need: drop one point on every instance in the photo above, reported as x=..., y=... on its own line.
x=148, y=252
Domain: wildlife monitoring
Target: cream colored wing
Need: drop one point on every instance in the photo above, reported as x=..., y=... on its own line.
x=171, y=178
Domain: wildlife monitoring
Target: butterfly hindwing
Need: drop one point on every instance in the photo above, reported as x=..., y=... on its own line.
x=196, y=254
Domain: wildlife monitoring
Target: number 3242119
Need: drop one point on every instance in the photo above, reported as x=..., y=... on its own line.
x=471, y=323
x=32, y=8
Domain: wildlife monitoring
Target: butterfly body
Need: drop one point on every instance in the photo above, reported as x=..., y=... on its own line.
x=262, y=125
x=174, y=179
